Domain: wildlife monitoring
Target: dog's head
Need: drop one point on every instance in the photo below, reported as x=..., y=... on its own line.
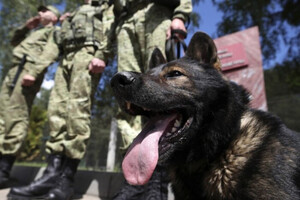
x=179, y=97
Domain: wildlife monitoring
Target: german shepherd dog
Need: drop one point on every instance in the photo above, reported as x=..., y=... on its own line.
x=201, y=128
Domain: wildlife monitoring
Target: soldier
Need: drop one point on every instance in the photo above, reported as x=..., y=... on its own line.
x=144, y=25
x=84, y=55
x=32, y=54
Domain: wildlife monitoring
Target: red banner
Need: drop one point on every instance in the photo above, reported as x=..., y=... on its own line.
x=233, y=56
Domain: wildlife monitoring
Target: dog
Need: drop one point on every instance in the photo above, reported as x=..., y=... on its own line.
x=200, y=126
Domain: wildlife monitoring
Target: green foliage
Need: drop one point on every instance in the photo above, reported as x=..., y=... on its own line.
x=33, y=142
x=283, y=91
x=283, y=78
x=195, y=18
x=273, y=17
x=43, y=99
x=104, y=109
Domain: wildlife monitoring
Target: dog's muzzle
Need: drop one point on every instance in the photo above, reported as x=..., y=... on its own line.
x=122, y=79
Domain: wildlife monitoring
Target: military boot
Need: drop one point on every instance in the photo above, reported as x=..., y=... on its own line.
x=6, y=163
x=40, y=187
x=64, y=189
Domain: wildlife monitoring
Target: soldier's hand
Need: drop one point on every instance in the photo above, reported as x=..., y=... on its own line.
x=97, y=66
x=176, y=24
x=28, y=80
x=33, y=22
x=64, y=16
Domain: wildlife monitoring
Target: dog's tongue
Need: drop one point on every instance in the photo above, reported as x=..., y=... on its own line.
x=142, y=156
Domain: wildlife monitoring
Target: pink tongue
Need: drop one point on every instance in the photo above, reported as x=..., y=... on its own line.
x=142, y=156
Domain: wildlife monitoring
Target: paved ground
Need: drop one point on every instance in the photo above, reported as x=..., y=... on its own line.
x=4, y=192
x=95, y=185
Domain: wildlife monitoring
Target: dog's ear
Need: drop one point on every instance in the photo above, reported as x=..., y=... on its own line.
x=203, y=49
x=157, y=58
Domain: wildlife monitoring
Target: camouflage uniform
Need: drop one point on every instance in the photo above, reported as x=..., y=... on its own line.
x=139, y=32
x=15, y=104
x=84, y=35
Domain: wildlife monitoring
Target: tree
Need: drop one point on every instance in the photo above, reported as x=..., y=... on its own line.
x=33, y=142
x=273, y=17
x=195, y=17
x=104, y=108
x=283, y=89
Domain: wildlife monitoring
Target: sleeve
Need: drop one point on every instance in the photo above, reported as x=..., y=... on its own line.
x=19, y=35
x=108, y=22
x=184, y=10
x=49, y=55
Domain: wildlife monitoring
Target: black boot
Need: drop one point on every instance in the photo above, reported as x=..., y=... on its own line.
x=64, y=189
x=40, y=187
x=6, y=163
x=156, y=188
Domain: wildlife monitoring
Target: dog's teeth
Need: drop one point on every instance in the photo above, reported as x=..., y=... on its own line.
x=168, y=134
x=177, y=123
x=146, y=109
x=128, y=105
x=173, y=129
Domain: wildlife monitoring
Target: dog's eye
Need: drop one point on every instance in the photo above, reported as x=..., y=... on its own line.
x=174, y=73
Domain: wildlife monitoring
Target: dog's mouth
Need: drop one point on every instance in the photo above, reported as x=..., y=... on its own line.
x=173, y=134
x=162, y=131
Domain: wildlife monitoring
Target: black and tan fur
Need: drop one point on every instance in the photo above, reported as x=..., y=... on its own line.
x=227, y=150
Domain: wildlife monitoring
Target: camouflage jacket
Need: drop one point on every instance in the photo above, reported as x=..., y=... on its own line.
x=38, y=46
x=182, y=11
x=88, y=26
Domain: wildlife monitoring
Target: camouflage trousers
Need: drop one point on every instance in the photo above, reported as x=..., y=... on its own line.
x=70, y=104
x=15, y=106
x=137, y=36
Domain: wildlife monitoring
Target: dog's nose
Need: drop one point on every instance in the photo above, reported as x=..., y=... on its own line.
x=122, y=79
